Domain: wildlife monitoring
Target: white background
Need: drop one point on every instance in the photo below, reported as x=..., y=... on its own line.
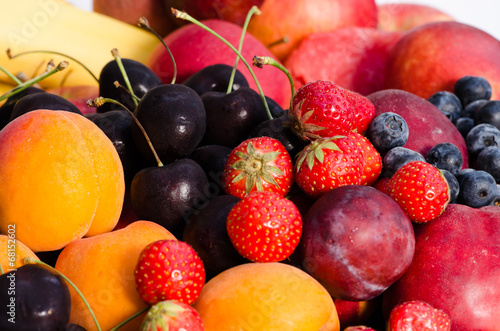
x=483, y=14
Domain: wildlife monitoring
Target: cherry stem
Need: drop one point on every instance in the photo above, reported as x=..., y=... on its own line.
x=130, y=318
x=100, y=101
x=280, y=41
x=185, y=16
x=260, y=61
x=118, y=85
x=11, y=76
x=32, y=260
x=144, y=23
x=9, y=54
x=1, y=270
x=50, y=71
x=254, y=10
x=118, y=60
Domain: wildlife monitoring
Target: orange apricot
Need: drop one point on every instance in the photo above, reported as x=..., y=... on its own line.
x=266, y=296
x=102, y=268
x=12, y=251
x=61, y=179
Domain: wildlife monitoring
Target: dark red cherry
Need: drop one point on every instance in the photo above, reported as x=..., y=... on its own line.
x=215, y=78
x=8, y=106
x=36, y=101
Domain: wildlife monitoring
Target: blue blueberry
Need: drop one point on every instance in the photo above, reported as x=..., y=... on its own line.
x=386, y=131
x=496, y=201
x=477, y=189
x=448, y=103
x=452, y=184
x=488, y=113
x=462, y=173
x=398, y=157
x=471, y=88
x=464, y=125
x=480, y=137
x=489, y=161
x=446, y=156
x=471, y=108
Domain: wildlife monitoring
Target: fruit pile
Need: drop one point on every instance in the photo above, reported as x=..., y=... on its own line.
x=231, y=169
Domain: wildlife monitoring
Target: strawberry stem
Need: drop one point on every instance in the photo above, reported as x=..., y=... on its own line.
x=144, y=23
x=254, y=10
x=10, y=75
x=185, y=16
x=50, y=71
x=130, y=318
x=9, y=54
x=31, y=260
x=118, y=60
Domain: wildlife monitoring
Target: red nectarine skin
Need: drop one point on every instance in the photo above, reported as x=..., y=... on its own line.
x=406, y=16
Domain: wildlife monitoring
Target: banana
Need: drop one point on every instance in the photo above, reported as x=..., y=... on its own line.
x=54, y=25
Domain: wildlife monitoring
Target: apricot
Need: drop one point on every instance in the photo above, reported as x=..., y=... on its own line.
x=12, y=251
x=266, y=296
x=102, y=268
x=61, y=179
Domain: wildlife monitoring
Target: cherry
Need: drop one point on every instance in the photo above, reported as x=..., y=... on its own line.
x=34, y=101
x=215, y=78
x=8, y=106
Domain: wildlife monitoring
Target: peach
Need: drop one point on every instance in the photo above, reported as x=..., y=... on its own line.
x=406, y=16
x=61, y=179
x=102, y=268
x=266, y=296
x=13, y=251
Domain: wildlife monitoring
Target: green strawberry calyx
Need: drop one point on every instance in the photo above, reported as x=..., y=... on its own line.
x=155, y=318
x=297, y=123
x=314, y=151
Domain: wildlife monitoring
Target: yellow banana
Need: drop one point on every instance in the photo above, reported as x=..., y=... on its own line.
x=54, y=25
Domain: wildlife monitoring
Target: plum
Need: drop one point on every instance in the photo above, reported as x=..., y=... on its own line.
x=357, y=241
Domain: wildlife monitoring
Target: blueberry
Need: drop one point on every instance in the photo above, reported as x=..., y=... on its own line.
x=471, y=108
x=496, y=201
x=488, y=113
x=398, y=157
x=477, y=189
x=448, y=103
x=386, y=131
x=452, y=184
x=489, y=161
x=446, y=156
x=460, y=175
x=480, y=137
x=471, y=88
x=464, y=125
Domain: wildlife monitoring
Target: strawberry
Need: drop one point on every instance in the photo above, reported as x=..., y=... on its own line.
x=321, y=109
x=417, y=316
x=169, y=269
x=327, y=163
x=421, y=190
x=364, y=111
x=372, y=161
x=258, y=164
x=172, y=315
x=264, y=227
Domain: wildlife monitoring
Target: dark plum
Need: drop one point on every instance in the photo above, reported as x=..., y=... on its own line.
x=215, y=78
x=174, y=118
x=397, y=157
x=489, y=113
x=448, y=103
x=35, y=298
x=212, y=159
x=7, y=107
x=36, y=101
x=386, y=131
x=141, y=78
x=453, y=184
x=477, y=189
x=489, y=161
x=446, y=156
x=471, y=88
x=480, y=137
x=206, y=232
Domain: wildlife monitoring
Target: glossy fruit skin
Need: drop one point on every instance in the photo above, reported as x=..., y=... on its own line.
x=472, y=88
x=489, y=161
x=480, y=137
x=448, y=103
x=477, y=189
x=264, y=227
x=258, y=164
x=372, y=161
x=35, y=299
x=421, y=190
x=172, y=315
x=174, y=118
x=169, y=270
x=418, y=315
x=215, y=78
x=141, y=78
x=445, y=156
x=212, y=159
x=388, y=130
x=7, y=107
x=397, y=157
x=489, y=113
x=34, y=101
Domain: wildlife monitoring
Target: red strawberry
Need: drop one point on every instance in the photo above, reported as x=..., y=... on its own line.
x=169, y=270
x=327, y=163
x=418, y=316
x=421, y=190
x=364, y=111
x=264, y=227
x=172, y=315
x=258, y=164
x=372, y=161
x=321, y=109
x=382, y=185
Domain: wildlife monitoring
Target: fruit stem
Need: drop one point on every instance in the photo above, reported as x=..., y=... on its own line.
x=118, y=59
x=100, y=101
x=9, y=54
x=11, y=76
x=32, y=260
x=254, y=10
x=118, y=85
x=50, y=71
x=185, y=16
x=130, y=318
x=260, y=61
x=280, y=41
x=1, y=270
x=144, y=23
